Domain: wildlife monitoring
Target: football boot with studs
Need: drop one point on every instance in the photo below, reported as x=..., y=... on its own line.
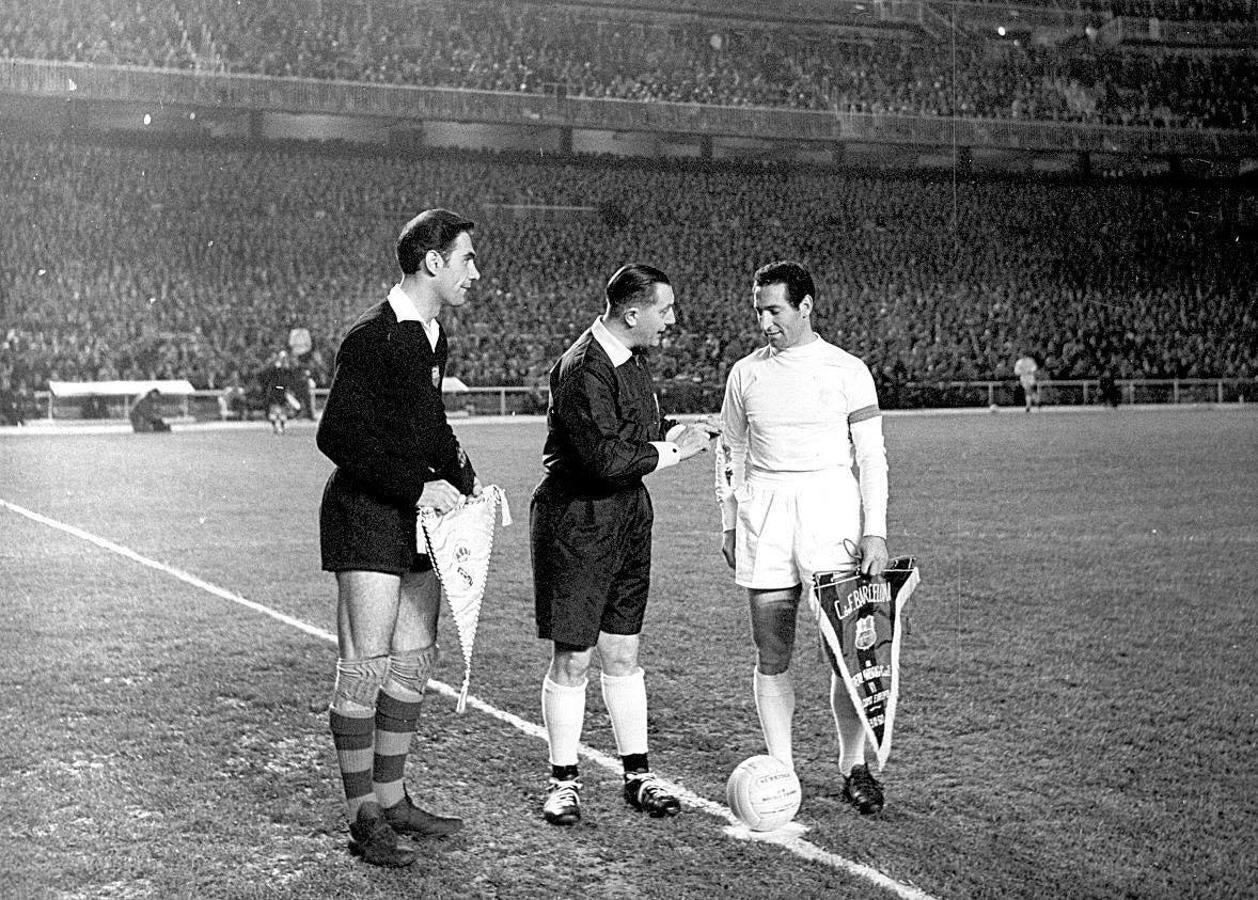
x=646, y=791
x=863, y=791
x=563, y=802
x=407, y=818
x=373, y=841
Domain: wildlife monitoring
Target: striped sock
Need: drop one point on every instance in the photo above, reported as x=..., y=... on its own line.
x=352, y=737
x=396, y=720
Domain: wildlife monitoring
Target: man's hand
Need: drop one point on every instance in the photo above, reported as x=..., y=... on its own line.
x=440, y=496
x=477, y=490
x=873, y=555
x=693, y=440
x=727, y=547
x=712, y=422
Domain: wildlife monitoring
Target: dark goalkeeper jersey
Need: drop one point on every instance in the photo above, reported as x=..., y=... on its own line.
x=385, y=424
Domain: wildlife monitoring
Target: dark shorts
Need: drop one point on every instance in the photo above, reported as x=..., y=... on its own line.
x=360, y=532
x=591, y=563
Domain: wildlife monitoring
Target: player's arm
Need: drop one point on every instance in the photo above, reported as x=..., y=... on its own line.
x=458, y=470
x=865, y=426
x=731, y=461
x=440, y=444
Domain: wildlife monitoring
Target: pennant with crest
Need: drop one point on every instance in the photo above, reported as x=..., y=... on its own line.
x=459, y=543
x=861, y=621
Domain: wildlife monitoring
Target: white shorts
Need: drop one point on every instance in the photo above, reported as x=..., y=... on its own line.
x=790, y=526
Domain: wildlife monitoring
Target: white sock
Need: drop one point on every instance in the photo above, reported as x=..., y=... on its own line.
x=775, y=703
x=851, y=732
x=625, y=697
x=563, y=712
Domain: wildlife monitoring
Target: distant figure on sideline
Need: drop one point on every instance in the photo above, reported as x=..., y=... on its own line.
x=1109, y=393
x=146, y=414
x=10, y=413
x=1027, y=370
x=277, y=387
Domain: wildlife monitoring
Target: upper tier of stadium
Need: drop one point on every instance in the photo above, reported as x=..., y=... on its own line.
x=587, y=50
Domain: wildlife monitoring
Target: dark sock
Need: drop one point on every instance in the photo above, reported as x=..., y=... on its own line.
x=395, y=725
x=564, y=773
x=635, y=762
x=353, y=738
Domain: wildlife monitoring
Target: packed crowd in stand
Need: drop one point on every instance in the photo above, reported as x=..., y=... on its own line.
x=1168, y=10
x=1171, y=10
x=129, y=261
x=500, y=46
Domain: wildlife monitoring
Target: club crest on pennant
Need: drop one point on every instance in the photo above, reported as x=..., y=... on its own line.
x=866, y=634
x=861, y=619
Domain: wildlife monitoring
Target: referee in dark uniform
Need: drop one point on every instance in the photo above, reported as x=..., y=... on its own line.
x=590, y=533
x=385, y=427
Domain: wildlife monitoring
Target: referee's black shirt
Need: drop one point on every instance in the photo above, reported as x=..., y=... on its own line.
x=600, y=422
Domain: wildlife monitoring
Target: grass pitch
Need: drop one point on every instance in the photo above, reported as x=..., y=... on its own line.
x=1077, y=714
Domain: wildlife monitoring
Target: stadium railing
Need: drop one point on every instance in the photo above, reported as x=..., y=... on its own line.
x=693, y=397
x=1069, y=392
x=1129, y=29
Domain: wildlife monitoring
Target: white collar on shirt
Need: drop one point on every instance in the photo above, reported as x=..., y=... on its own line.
x=404, y=309
x=618, y=352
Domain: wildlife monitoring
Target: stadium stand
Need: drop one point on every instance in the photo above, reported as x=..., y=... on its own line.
x=146, y=261
x=536, y=48
x=1171, y=10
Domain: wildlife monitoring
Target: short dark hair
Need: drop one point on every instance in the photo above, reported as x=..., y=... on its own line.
x=632, y=282
x=433, y=229
x=798, y=281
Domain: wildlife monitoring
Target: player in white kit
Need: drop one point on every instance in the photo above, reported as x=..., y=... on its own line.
x=797, y=414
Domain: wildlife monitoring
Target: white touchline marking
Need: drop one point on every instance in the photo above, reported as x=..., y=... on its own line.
x=789, y=838
x=185, y=577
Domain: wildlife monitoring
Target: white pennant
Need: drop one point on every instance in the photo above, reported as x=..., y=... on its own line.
x=459, y=543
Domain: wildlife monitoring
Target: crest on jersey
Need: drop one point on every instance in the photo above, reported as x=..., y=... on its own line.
x=459, y=543
x=436, y=376
x=861, y=619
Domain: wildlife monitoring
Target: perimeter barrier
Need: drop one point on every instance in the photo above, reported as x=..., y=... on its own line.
x=676, y=396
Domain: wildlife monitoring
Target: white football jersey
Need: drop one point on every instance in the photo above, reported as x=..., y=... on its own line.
x=793, y=411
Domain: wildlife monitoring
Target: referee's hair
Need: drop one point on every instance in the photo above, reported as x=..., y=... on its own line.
x=798, y=281
x=433, y=229
x=630, y=284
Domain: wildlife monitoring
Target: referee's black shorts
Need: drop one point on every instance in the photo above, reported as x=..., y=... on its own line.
x=358, y=531
x=591, y=563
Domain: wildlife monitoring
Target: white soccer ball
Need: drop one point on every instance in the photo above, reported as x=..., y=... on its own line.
x=763, y=792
